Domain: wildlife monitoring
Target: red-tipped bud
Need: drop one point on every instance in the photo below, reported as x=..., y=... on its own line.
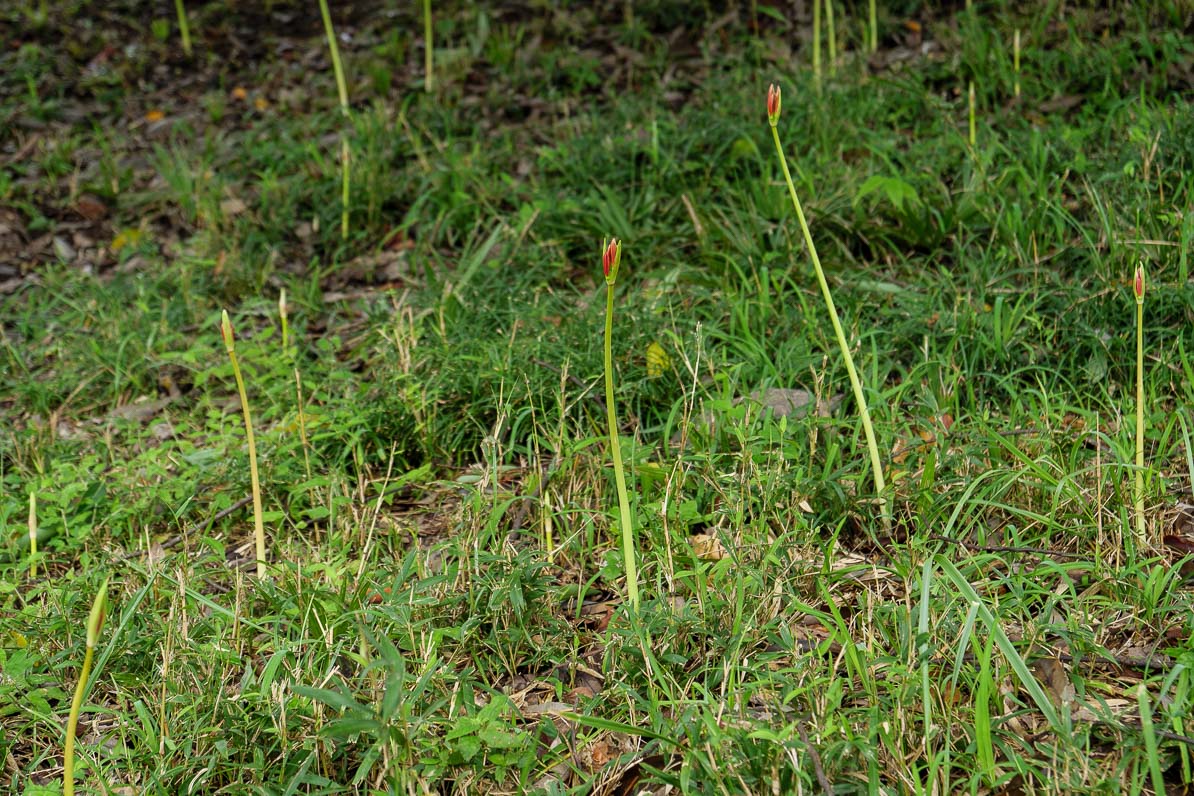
x=773, y=103
x=1138, y=287
x=611, y=258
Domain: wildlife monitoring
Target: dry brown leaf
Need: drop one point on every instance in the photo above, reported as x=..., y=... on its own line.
x=1052, y=675
x=232, y=207
x=708, y=547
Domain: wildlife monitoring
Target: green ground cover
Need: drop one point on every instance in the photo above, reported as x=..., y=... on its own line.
x=444, y=602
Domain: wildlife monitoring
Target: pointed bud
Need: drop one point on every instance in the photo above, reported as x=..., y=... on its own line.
x=773, y=103
x=99, y=609
x=1138, y=287
x=226, y=330
x=611, y=258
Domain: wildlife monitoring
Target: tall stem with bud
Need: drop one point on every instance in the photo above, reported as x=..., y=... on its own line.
x=1138, y=289
x=611, y=259
x=95, y=623
x=773, y=108
x=258, y=522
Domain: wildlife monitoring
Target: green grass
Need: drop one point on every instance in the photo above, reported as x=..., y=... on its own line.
x=412, y=635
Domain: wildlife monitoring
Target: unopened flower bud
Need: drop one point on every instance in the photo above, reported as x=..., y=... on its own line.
x=773, y=104
x=611, y=258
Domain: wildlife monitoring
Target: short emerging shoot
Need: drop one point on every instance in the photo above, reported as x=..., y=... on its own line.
x=282, y=307
x=1016, y=62
x=32, y=535
x=970, y=103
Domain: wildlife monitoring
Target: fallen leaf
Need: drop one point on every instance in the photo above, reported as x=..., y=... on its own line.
x=1052, y=675
x=708, y=547
x=154, y=115
x=239, y=93
x=260, y=103
x=91, y=207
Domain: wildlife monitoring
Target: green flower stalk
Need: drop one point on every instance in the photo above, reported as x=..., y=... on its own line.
x=831, y=37
x=873, y=18
x=1016, y=61
x=817, y=43
x=32, y=536
x=1138, y=289
x=970, y=103
x=342, y=89
x=611, y=259
x=95, y=622
x=183, y=30
x=774, y=101
x=258, y=523
x=428, y=52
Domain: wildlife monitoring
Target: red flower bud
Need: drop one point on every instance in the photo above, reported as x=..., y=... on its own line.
x=773, y=104
x=1138, y=287
x=611, y=258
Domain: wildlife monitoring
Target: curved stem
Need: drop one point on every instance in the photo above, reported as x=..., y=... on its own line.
x=855, y=383
x=72, y=727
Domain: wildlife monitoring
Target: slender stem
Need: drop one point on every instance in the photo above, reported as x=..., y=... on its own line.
x=817, y=43
x=95, y=623
x=183, y=30
x=302, y=421
x=831, y=37
x=855, y=383
x=32, y=536
x=428, y=52
x=345, y=165
x=342, y=88
x=258, y=522
x=72, y=727
x=1016, y=60
x=615, y=447
x=341, y=85
x=1140, y=419
x=874, y=23
x=970, y=102
x=285, y=327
